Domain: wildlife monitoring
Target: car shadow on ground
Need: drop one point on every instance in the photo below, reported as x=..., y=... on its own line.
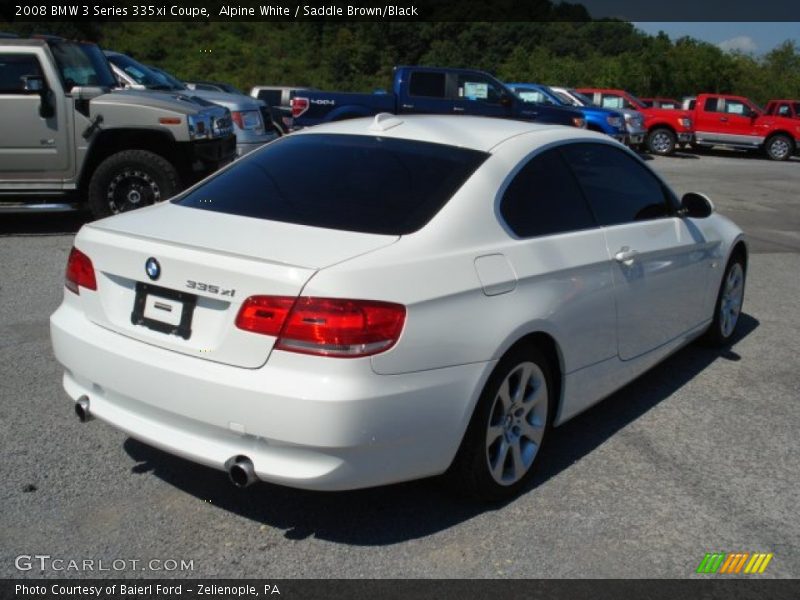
x=396, y=513
x=42, y=224
x=684, y=154
x=720, y=152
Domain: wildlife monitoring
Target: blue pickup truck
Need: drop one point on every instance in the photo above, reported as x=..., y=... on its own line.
x=430, y=90
x=599, y=119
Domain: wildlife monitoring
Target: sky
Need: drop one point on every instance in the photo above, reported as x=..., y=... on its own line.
x=756, y=38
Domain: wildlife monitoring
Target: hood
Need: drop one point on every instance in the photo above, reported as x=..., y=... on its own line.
x=233, y=102
x=174, y=101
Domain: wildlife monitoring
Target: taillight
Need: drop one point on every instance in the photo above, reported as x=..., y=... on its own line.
x=264, y=314
x=324, y=326
x=246, y=119
x=299, y=106
x=80, y=272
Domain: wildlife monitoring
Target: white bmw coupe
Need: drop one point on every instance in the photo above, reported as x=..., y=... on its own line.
x=385, y=299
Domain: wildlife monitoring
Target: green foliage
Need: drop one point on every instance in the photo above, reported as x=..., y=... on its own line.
x=360, y=56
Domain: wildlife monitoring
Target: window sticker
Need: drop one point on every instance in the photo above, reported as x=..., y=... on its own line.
x=476, y=91
x=735, y=108
x=529, y=96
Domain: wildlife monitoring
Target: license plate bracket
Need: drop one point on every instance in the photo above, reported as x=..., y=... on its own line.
x=142, y=311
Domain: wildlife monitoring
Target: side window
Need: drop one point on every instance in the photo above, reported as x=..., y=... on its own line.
x=618, y=187
x=711, y=105
x=784, y=111
x=544, y=199
x=424, y=83
x=14, y=68
x=478, y=89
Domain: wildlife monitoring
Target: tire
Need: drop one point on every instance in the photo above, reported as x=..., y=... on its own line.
x=131, y=179
x=779, y=147
x=728, y=307
x=496, y=435
x=661, y=141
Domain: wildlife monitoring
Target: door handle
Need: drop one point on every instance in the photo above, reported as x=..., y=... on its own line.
x=626, y=256
x=723, y=119
x=458, y=109
x=407, y=106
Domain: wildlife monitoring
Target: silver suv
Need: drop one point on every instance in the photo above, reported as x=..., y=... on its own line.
x=69, y=141
x=249, y=126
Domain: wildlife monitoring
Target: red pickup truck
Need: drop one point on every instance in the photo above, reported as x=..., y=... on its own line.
x=737, y=122
x=665, y=127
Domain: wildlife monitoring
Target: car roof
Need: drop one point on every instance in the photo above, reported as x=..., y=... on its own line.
x=528, y=85
x=11, y=41
x=477, y=133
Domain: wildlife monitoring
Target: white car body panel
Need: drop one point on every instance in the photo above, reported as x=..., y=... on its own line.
x=471, y=290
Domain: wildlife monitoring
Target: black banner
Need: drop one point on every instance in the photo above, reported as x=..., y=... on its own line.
x=732, y=588
x=396, y=10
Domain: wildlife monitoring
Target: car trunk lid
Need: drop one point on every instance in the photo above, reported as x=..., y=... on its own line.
x=207, y=265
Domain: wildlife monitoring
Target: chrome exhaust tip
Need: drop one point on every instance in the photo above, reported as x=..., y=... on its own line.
x=82, y=409
x=241, y=471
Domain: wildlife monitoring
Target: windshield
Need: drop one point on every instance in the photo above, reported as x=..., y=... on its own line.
x=231, y=89
x=174, y=82
x=81, y=64
x=635, y=100
x=566, y=99
x=347, y=182
x=582, y=98
x=140, y=74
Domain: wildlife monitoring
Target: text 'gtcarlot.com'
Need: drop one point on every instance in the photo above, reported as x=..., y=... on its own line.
x=45, y=562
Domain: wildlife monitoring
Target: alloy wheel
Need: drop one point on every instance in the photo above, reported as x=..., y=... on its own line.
x=517, y=423
x=730, y=305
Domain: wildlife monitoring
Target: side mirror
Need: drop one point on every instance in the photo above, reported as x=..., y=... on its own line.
x=696, y=206
x=33, y=84
x=505, y=100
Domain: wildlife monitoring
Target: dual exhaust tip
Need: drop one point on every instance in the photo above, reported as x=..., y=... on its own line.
x=240, y=469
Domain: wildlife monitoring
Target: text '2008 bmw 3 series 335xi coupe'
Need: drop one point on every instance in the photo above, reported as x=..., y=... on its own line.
x=385, y=299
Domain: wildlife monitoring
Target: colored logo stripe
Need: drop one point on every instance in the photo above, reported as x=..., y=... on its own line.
x=758, y=563
x=711, y=562
x=733, y=562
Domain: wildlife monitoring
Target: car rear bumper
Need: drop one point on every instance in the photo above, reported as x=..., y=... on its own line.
x=306, y=422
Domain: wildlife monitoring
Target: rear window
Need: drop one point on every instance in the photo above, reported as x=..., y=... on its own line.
x=271, y=97
x=425, y=83
x=347, y=182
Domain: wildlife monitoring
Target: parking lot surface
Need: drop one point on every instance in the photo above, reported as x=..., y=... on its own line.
x=698, y=455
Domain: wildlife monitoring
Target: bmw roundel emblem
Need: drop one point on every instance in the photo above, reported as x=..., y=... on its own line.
x=152, y=268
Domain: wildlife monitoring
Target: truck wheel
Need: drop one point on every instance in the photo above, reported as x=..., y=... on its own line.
x=131, y=179
x=779, y=147
x=661, y=141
